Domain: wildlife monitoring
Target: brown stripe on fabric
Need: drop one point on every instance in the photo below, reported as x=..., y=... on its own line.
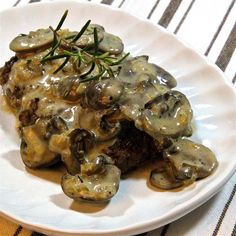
x=32, y=1
x=234, y=79
x=228, y=50
x=184, y=17
x=164, y=230
x=169, y=12
x=153, y=9
x=121, y=4
x=37, y=234
x=224, y=211
x=234, y=231
x=18, y=230
x=16, y=3
x=219, y=27
x=108, y=2
x=143, y=234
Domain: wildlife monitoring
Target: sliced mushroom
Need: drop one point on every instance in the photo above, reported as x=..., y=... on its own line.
x=97, y=121
x=111, y=43
x=138, y=69
x=60, y=143
x=135, y=96
x=99, y=181
x=33, y=41
x=56, y=125
x=190, y=159
x=165, y=77
x=167, y=115
x=163, y=178
x=68, y=88
x=107, y=130
x=103, y=94
x=34, y=148
x=81, y=141
x=73, y=147
x=87, y=39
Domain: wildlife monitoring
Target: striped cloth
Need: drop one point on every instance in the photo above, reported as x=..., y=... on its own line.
x=209, y=26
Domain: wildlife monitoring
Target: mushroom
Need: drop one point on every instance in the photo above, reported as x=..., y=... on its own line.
x=87, y=39
x=73, y=146
x=33, y=41
x=56, y=125
x=81, y=141
x=97, y=181
x=137, y=69
x=34, y=148
x=163, y=178
x=167, y=115
x=190, y=160
x=68, y=88
x=98, y=123
x=165, y=77
x=103, y=94
x=135, y=96
x=111, y=43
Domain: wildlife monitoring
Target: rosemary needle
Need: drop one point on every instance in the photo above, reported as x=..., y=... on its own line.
x=62, y=65
x=81, y=32
x=51, y=58
x=51, y=52
x=62, y=20
x=96, y=77
x=96, y=43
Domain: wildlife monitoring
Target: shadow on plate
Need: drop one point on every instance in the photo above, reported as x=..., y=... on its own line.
x=52, y=174
x=14, y=159
x=142, y=172
x=116, y=207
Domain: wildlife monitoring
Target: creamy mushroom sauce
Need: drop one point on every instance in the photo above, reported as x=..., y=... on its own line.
x=62, y=119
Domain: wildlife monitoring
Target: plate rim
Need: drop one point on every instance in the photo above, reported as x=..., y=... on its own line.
x=156, y=222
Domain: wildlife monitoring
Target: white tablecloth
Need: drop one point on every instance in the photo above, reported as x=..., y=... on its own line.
x=209, y=27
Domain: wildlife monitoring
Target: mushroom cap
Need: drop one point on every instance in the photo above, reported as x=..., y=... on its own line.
x=189, y=158
x=169, y=114
x=34, y=149
x=34, y=40
x=111, y=43
x=103, y=94
x=97, y=181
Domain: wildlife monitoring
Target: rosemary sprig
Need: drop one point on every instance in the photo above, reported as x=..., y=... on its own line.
x=89, y=56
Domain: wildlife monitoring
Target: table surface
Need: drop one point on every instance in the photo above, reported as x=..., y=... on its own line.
x=213, y=34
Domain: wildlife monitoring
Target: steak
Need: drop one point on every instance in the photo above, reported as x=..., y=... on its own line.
x=132, y=148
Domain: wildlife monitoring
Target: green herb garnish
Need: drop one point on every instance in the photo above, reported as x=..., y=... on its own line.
x=62, y=20
x=77, y=55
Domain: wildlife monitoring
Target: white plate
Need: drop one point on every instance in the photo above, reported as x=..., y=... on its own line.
x=35, y=198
